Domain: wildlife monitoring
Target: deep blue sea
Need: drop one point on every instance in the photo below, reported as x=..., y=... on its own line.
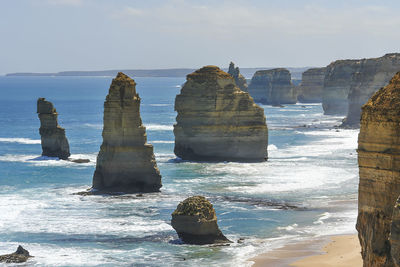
x=308, y=187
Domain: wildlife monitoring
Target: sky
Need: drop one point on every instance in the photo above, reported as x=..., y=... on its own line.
x=62, y=35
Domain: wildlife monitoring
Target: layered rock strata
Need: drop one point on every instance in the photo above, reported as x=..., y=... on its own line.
x=19, y=256
x=273, y=87
x=53, y=139
x=217, y=121
x=240, y=80
x=126, y=162
x=195, y=222
x=395, y=234
x=373, y=74
x=337, y=83
x=379, y=168
x=311, y=86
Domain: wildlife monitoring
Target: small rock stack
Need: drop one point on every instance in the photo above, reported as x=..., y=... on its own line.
x=240, y=80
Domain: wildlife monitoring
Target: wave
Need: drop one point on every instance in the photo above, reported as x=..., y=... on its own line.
x=162, y=142
x=160, y=105
x=94, y=125
x=49, y=161
x=18, y=140
x=159, y=127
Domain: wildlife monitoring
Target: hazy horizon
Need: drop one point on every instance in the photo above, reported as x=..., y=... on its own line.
x=93, y=35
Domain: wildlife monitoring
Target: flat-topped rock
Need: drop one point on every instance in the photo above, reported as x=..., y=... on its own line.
x=217, y=121
x=240, y=80
x=273, y=87
x=195, y=221
x=126, y=162
x=53, y=139
x=311, y=86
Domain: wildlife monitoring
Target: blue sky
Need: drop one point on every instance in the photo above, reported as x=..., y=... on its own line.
x=57, y=35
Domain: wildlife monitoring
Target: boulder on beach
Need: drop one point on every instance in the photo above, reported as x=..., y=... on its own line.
x=195, y=222
x=126, y=162
x=19, y=256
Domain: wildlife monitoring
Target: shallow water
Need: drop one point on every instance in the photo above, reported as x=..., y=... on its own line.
x=307, y=188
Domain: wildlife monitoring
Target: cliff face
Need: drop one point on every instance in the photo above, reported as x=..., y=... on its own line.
x=217, y=121
x=311, y=86
x=53, y=139
x=379, y=166
x=240, y=80
x=126, y=162
x=337, y=84
x=373, y=74
x=273, y=87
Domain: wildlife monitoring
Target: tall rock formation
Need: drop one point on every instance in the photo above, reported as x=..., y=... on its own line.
x=53, y=139
x=373, y=74
x=379, y=166
x=273, y=87
x=217, y=121
x=311, y=86
x=126, y=162
x=240, y=80
x=195, y=222
x=337, y=84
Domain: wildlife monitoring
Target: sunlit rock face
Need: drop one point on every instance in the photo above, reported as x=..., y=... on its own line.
x=379, y=168
x=217, y=121
x=373, y=74
x=311, y=86
x=53, y=139
x=126, y=162
x=273, y=87
x=240, y=80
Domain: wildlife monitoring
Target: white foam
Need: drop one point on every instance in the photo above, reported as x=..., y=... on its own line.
x=159, y=127
x=93, y=125
x=49, y=161
x=162, y=142
x=160, y=105
x=26, y=141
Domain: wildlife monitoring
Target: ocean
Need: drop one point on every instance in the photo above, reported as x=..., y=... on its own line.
x=307, y=188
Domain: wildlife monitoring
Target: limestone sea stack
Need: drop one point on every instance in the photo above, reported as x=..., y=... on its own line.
x=195, y=222
x=373, y=74
x=379, y=167
x=337, y=84
x=240, y=80
x=273, y=87
x=217, y=121
x=126, y=162
x=311, y=86
x=53, y=139
x=19, y=256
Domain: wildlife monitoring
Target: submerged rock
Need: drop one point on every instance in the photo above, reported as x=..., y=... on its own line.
x=195, y=222
x=273, y=87
x=19, y=256
x=311, y=86
x=379, y=168
x=126, y=162
x=373, y=74
x=53, y=139
x=217, y=121
x=240, y=80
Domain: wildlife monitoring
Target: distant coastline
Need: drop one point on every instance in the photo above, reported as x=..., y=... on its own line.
x=182, y=72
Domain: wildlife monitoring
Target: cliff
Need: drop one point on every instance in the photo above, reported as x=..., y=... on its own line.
x=126, y=162
x=217, y=121
x=311, y=86
x=240, y=80
x=373, y=74
x=53, y=139
x=337, y=84
x=273, y=87
x=379, y=168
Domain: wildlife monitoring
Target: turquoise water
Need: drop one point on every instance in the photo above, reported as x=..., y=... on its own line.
x=307, y=188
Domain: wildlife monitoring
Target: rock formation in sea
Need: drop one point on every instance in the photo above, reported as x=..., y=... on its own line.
x=273, y=87
x=379, y=169
x=217, y=121
x=240, y=80
x=53, y=139
x=126, y=162
x=373, y=74
x=395, y=234
x=195, y=222
x=337, y=84
x=311, y=86
x=19, y=256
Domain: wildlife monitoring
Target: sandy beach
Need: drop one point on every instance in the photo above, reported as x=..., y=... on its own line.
x=336, y=251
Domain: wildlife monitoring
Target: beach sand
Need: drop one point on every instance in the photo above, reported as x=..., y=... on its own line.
x=338, y=251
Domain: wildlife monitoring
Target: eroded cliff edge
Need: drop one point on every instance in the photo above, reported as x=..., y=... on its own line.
x=126, y=162
x=217, y=121
x=379, y=167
